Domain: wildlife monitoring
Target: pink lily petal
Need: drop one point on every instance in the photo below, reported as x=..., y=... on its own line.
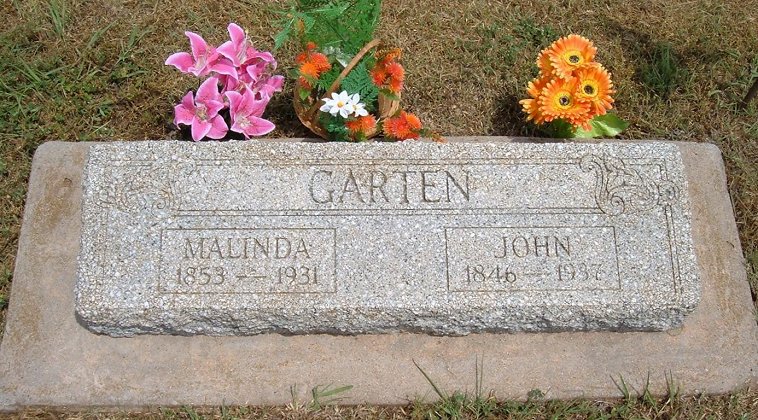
x=200, y=129
x=183, y=115
x=273, y=84
x=213, y=107
x=235, y=98
x=199, y=46
x=208, y=91
x=224, y=67
x=255, y=71
x=189, y=101
x=236, y=34
x=265, y=56
x=259, y=127
x=228, y=50
x=181, y=60
x=255, y=107
x=236, y=49
x=225, y=82
x=218, y=128
x=245, y=105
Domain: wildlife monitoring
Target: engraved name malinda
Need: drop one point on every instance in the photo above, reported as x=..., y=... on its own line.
x=257, y=248
x=522, y=246
x=357, y=186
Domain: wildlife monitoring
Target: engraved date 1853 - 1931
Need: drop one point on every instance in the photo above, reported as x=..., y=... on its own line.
x=217, y=275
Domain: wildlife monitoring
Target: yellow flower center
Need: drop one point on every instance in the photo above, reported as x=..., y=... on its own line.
x=340, y=104
x=589, y=88
x=563, y=100
x=573, y=58
x=201, y=112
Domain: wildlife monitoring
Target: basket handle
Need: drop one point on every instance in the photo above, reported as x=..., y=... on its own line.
x=354, y=62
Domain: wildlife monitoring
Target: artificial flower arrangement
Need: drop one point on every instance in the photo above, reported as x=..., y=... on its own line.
x=239, y=85
x=348, y=85
x=571, y=96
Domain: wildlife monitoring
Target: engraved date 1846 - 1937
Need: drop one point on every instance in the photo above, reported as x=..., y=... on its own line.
x=535, y=258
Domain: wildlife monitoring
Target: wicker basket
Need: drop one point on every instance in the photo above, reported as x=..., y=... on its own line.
x=308, y=110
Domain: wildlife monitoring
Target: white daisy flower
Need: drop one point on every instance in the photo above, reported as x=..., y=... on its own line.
x=339, y=104
x=359, y=107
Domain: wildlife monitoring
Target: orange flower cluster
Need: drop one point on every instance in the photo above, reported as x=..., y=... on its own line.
x=403, y=126
x=312, y=65
x=361, y=126
x=571, y=85
x=388, y=73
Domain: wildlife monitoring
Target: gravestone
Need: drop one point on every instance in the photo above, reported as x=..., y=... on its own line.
x=247, y=238
x=162, y=194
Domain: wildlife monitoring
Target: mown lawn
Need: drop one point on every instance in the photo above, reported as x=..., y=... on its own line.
x=88, y=70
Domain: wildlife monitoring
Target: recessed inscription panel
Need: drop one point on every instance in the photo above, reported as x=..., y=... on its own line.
x=532, y=258
x=248, y=261
x=252, y=237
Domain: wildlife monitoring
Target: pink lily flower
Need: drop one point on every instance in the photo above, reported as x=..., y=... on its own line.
x=204, y=59
x=266, y=85
x=201, y=112
x=246, y=112
x=272, y=85
x=238, y=49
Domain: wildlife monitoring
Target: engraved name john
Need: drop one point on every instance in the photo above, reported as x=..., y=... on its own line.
x=289, y=260
x=534, y=258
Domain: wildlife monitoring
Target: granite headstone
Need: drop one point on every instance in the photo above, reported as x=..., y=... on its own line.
x=244, y=238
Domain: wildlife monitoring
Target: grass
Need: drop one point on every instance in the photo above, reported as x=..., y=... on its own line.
x=73, y=70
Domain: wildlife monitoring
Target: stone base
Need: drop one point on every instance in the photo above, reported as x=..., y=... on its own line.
x=48, y=359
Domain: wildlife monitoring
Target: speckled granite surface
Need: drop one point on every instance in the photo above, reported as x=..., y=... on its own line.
x=242, y=238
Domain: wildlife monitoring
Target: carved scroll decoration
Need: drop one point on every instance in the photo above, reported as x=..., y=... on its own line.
x=148, y=189
x=620, y=188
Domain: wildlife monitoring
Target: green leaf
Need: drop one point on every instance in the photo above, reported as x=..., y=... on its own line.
x=326, y=79
x=347, y=24
x=308, y=22
x=359, y=81
x=605, y=126
x=283, y=35
x=558, y=129
x=303, y=94
x=389, y=94
x=335, y=126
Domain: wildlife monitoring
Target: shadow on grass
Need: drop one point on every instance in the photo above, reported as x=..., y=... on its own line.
x=509, y=119
x=658, y=64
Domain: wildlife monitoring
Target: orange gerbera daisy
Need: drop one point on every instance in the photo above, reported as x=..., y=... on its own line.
x=544, y=64
x=570, y=53
x=361, y=126
x=531, y=107
x=595, y=87
x=559, y=100
x=396, y=75
x=535, y=87
x=403, y=126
